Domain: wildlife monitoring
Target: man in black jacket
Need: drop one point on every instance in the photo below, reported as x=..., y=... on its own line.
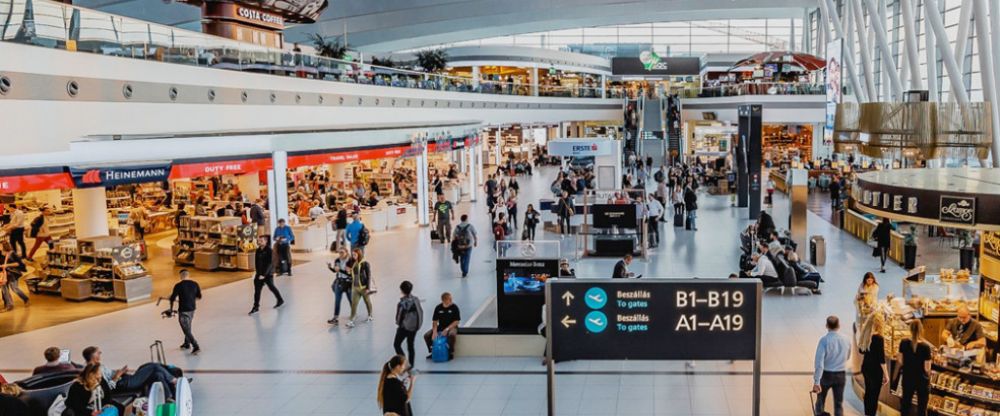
x=621, y=268
x=264, y=273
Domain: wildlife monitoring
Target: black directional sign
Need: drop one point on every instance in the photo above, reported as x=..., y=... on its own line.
x=654, y=319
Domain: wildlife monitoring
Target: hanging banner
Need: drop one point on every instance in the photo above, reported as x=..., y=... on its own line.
x=579, y=148
x=27, y=181
x=315, y=159
x=834, y=86
x=90, y=177
x=193, y=169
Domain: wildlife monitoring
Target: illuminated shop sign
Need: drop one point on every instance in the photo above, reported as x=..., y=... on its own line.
x=957, y=209
x=259, y=16
x=112, y=176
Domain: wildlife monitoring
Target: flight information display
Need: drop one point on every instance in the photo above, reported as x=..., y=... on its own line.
x=654, y=319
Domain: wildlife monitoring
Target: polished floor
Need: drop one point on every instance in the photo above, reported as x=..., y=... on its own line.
x=290, y=362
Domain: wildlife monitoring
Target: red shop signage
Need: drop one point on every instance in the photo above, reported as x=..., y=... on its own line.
x=349, y=156
x=35, y=182
x=222, y=167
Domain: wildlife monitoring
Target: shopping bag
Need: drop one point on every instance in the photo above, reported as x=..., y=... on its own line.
x=439, y=350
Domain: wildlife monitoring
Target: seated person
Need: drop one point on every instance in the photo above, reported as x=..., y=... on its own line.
x=444, y=324
x=89, y=394
x=964, y=331
x=52, y=363
x=763, y=268
x=774, y=244
x=803, y=271
x=121, y=381
x=10, y=402
x=565, y=270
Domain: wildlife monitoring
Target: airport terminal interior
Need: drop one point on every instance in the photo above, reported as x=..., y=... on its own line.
x=442, y=208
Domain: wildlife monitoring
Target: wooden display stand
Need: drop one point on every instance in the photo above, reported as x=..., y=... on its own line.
x=132, y=290
x=76, y=289
x=206, y=260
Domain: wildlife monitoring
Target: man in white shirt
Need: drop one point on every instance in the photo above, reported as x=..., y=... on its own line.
x=654, y=211
x=774, y=245
x=316, y=211
x=15, y=229
x=763, y=268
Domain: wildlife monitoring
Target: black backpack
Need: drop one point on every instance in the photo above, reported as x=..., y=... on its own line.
x=36, y=225
x=658, y=176
x=462, y=240
x=363, y=236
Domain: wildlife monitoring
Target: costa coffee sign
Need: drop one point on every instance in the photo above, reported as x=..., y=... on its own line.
x=258, y=16
x=243, y=14
x=958, y=209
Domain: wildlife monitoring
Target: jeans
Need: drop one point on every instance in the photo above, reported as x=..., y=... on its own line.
x=185, y=318
x=464, y=259
x=920, y=388
x=144, y=377
x=17, y=239
x=410, y=337
x=356, y=296
x=338, y=294
x=531, y=232
x=654, y=231
x=883, y=253
x=12, y=285
x=444, y=230
x=564, y=226
x=691, y=216
x=836, y=381
x=284, y=258
x=259, y=282
x=512, y=213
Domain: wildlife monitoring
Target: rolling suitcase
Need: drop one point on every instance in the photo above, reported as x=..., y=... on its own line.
x=812, y=400
x=679, y=219
x=435, y=236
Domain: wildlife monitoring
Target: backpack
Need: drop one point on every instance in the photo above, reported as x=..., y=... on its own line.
x=439, y=350
x=363, y=236
x=658, y=176
x=498, y=231
x=36, y=225
x=462, y=240
x=407, y=316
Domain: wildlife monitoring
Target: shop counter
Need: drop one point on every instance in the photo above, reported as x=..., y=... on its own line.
x=132, y=290
x=780, y=180
x=310, y=236
x=400, y=215
x=75, y=289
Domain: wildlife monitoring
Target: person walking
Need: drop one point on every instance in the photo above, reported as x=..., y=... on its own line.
x=531, y=220
x=395, y=392
x=283, y=240
x=873, y=367
x=565, y=211
x=512, y=208
x=654, y=213
x=186, y=292
x=882, y=236
x=915, y=359
x=15, y=228
x=11, y=271
x=361, y=283
x=691, y=206
x=465, y=240
x=409, y=319
x=356, y=233
x=340, y=226
x=444, y=213
x=264, y=273
x=138, y=217
x=40, y=231
x=341, y=282
x=832, y=354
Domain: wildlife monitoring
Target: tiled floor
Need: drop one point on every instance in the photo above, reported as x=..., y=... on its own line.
x=290, y=362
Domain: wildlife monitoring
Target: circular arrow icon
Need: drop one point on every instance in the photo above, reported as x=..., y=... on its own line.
x=596, y=298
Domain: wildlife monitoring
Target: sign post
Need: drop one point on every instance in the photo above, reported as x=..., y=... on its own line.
x=653, y=319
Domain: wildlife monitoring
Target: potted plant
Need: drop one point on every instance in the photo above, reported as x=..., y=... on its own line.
x=432, y=60
x=329, y=48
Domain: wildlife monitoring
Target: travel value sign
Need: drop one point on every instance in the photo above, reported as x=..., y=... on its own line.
x=654, y=319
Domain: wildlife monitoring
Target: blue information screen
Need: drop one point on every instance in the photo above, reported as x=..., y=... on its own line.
x=654, y=319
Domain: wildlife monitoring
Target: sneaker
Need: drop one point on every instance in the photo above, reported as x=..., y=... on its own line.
x=371, y=319
x=278, y=305
x=350, y=324
x=195, y=351
x=185, y=346
x=333, y=321
x=254, y=310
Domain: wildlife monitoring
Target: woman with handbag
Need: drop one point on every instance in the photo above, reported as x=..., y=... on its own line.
x=341, y=282
x=882, y=236
x=530, y=222
x=361, y=285
x=90, y=395
x=11, y=271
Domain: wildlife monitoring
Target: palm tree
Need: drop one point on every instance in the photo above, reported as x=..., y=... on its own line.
x=432, y=60
x=331, y=49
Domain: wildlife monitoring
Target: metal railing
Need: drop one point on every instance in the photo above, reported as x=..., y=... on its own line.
x=61, y=26
x=756, y=88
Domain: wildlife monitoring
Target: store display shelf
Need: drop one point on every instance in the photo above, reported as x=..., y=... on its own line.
x=967, y=396
x=965, y=374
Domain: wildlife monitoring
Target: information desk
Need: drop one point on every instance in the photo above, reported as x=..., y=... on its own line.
x=311, y=235
x=609, y=242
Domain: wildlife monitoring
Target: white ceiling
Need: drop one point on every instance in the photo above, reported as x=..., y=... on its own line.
x=392, y=25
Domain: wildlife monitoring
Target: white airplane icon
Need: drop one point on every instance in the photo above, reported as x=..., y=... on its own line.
x=597, y=321
x=596, y=298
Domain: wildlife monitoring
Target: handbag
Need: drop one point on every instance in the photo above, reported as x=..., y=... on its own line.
x=876, y=252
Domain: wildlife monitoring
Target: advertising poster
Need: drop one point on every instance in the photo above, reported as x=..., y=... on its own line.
x=834, y=86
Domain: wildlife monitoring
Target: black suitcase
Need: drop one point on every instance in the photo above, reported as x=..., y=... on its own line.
x=679, y=219
x=435, y=235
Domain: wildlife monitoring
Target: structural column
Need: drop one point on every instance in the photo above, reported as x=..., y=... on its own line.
x=472, y=171
x=604, y=86
x=475, y=77
x=534, y=81
x=423, y=217
x=986, y=71
x=497, y=148
x=249, y=184
x=277, y=188
x=90, y=212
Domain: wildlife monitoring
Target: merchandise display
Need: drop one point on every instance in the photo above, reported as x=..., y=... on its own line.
x=93, y=268
x=211, y=243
